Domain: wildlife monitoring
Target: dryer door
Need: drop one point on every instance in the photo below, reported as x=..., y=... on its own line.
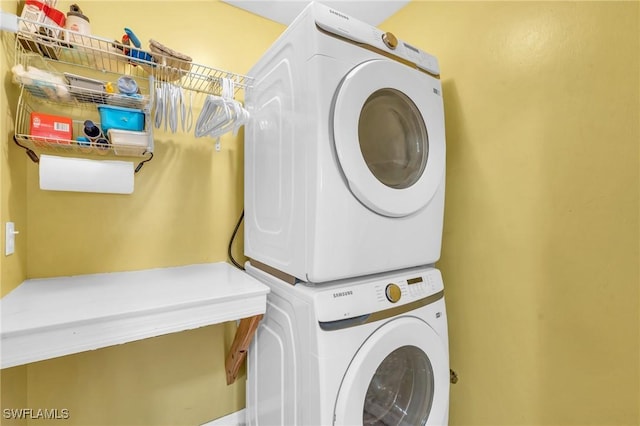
x=388, y=130
x=400, y=376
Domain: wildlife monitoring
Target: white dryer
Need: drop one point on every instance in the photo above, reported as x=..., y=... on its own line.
x=371, y=351
x=344, y=152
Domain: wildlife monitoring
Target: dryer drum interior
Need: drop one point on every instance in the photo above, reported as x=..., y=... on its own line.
x=393, y=138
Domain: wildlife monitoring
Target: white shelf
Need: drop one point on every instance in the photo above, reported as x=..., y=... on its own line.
x=52, y=317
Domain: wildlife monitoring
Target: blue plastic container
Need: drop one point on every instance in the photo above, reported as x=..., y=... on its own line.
x=115, y=117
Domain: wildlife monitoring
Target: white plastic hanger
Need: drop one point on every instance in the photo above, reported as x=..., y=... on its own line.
x=189, y=123
x=159, y=106
x=221, y=114
x=174, y=96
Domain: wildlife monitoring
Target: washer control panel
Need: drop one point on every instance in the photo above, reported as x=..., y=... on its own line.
x=352, y=298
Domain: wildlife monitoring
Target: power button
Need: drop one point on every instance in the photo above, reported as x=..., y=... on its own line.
x=393, y=292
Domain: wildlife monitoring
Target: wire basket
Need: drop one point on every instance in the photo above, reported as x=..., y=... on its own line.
x=171, y=65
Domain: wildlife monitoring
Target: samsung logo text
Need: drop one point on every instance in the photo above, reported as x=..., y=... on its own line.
x=339, y=14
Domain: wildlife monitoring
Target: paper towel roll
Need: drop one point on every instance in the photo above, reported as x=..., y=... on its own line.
x=84, y=175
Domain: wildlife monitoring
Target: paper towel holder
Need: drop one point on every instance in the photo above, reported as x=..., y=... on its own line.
x=34, y=157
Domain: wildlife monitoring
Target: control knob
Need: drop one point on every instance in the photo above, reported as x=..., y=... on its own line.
x=390, y=40
x=393, y=293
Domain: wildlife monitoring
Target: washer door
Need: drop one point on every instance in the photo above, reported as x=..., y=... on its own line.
x=388, y=130
x=400, y=376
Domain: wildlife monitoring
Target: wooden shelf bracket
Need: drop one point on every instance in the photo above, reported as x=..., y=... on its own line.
x=238, y=352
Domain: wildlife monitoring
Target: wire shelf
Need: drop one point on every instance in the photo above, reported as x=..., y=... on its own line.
x=75, y=96
x=78, y=50
x=49, y=145
x=24, y=137
x=70, y=59
x=111, y=56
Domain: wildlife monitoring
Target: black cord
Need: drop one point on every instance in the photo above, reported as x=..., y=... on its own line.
x=233, y=237
x=142, y=163
x=30, y=153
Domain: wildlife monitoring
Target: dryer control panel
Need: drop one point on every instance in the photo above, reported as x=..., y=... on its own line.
x=345, y=26
x=374, y=294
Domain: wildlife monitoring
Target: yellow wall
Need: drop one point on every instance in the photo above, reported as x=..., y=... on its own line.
x=13, y=203
x=13, y=381
x=169, y=380
x=540, y=253
x=183, y=210
x=13, y=393
x=189, y=197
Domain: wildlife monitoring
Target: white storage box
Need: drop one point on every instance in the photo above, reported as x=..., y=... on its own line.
x=128, y=142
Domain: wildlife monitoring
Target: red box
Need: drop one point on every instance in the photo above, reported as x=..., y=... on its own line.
x=51, y=127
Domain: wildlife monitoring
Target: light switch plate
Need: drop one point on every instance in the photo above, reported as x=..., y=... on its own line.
x=10, y=238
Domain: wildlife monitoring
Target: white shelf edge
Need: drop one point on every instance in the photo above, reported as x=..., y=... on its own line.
x=57, y=332
x=234, y=419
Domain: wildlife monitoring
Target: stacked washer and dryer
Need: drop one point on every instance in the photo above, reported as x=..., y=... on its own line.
x=344, y=200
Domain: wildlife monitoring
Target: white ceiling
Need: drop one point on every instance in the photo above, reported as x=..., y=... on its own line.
x=372, y=12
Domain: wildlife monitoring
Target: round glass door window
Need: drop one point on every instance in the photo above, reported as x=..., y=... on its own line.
x=393, y=138
x=401, y=390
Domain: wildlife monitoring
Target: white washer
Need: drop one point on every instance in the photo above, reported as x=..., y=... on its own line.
x=345, y=354
x=344, y=153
